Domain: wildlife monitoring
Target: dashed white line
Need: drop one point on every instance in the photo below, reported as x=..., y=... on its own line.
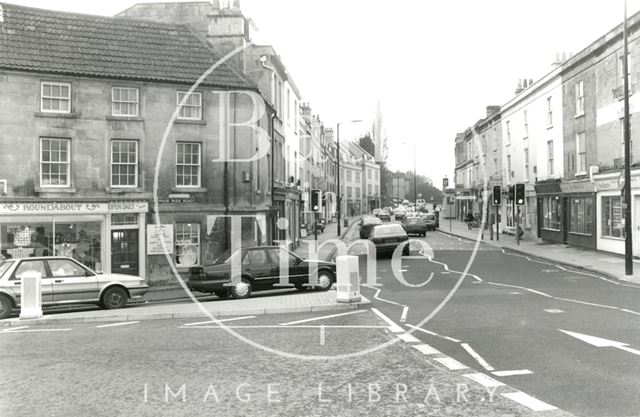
x=434, y=333
x=426, y=349
x=512, y=373
x=451, y=364
x=529, y=401
x=14, y=329
x=485, y=380
x=323, y=317
x=117, y=324
x=213, y=322
x=321, y=335
x=403, y=317
x=393, y=327
x=37, y=330
x=553, y=310
x=477, y=357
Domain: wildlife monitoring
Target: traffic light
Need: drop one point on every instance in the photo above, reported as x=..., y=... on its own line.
x=519, y=194
x=497, y=195
x=315, y=204
x=511, y=193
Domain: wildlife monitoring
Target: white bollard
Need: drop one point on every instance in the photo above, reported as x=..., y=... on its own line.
x=348, y=282
x=31, y=299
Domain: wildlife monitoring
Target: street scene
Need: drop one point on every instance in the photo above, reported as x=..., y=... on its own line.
x=346, y=208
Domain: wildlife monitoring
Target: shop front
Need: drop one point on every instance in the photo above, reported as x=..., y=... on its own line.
x=579, y=200
x=105, y=236
x=550, y=211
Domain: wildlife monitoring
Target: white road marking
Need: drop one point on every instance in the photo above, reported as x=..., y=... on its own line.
x=321, y=335
x=484, y=380
x=477, y=357
x=601, y=342
x=515, y=292
x=426, y=349
x=393, y=327
x=37, y=330
x=630, y=311
x=213, y=322
x=434, y=334
x=382, y=299
x=451, y=363
x=117, y=324
x=409, y=338
x=303, y=326
x=529, y=401
x=512, y=373
x=403, y=317
x=553, y=310
x=11, y=329
x=587, y=303
x=323, y=317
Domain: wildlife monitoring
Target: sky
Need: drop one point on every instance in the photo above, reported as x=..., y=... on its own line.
x=434, y=66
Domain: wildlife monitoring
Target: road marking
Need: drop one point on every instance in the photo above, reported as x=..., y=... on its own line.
x=405, y=310
x=601, y=342
x=451, y=364
x=553, y=310
x=393, y=327
x=434, y=334
x=117, y=324
x=321, y=335
x=587, y=303
x=426, y=349
x=515, y=292
x=382, y=299
x=37, y=330
x=512, y=373
x=323, y=317
x=213, y=322
x=14, y=329
x=277, y=326
x=409, y=338
x=477, y=357
x=630, y=311
x=529, y=401
x=484, y=380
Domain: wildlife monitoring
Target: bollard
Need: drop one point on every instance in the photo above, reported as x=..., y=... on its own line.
x=31, y=296
x=348, y=280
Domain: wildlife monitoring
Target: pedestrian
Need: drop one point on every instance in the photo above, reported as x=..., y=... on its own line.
x=470, y=220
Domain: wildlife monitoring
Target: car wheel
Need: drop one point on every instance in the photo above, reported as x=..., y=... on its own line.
x=5, y=306
x=114, y=297
x=325, y=280
x=242, y=289
x=223, y=294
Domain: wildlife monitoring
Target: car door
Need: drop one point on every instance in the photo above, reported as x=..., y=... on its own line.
x=27, y=266
x=297, y=270
x=258, y=265
x=71, y=281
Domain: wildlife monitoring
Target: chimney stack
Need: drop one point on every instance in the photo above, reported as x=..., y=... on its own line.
x=492, y=109
x=520, y=86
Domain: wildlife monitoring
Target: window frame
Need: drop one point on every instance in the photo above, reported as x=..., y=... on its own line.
x=607, y=218
x=121, y=102
x=580, y=152
x=192, y=227
x=61, y=98
x=581, y=205
x=550, y=156
x=549, y=112
x=579, y=92
x=187, y=105
x=136, y=164
x=551, y=219
x=66, y=163
x=199, y=165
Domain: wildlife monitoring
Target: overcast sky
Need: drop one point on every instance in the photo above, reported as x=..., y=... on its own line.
x=434, y=65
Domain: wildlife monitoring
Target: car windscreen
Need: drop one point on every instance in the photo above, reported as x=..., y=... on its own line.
x=371, y=220
x=4, y=265
x=387, y=230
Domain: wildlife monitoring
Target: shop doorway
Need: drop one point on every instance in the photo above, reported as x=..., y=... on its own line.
x=124, y=251
x=635, y=226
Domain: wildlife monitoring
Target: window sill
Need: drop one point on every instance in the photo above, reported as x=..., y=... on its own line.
x=113, y=190
x=581, y=234
x=57, y=115
x=551, y=230
x=578, y=115
x=55, y=190
x=187, y=190
x=125, y=118
x=549, y=127
x=581, y=174
x=190, y=122
x=618, y=239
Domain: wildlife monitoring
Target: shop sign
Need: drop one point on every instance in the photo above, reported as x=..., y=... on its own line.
x=74, y=208
x=578, y=187
x=608, y=184
x=156, y=234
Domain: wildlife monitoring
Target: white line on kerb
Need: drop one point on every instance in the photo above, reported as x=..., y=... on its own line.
x=512, y=373
x=409, y=338
x=393, y=327
x=117, y=324
x=477, y=357
x=426, y=349
x=451, y=363
x=529, y=401
x=213, y=322
x=323, y=317
x=484, y=380
x=405, y=310
x=433, y=333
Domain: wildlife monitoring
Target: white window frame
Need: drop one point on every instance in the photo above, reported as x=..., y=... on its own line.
x=508, y=125
x=193, y=230
x=526, y=124
x=580, y=98
x=526, y=164
x=128, y=163
x=63, y=163
x=60, y=98
x=127, y=103
x=198, y=165
x=550, y=157
x=187, y=105
x=579, y=168
x=549, y=112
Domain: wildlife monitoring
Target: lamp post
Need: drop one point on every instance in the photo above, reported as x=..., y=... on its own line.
x=415, y=190
x=628, y=247
x=339, y=193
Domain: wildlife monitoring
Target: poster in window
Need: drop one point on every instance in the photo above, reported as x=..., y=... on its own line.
x=156, y=235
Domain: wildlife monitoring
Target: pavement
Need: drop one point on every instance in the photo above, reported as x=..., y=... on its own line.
x=605, y=263
x=172, y=302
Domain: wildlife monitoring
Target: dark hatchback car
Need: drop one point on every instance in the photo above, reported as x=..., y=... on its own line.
x=388, y=237
x=415, y=225
x=366, y=224
x=260, y=269
x=385, y=216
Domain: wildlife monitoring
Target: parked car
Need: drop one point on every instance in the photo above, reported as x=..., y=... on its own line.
x=260, y=269
x=431, y=221
x=366, y=224
x=376, y=211
x=415, y=225
x=387, y=237
x=400, y=213
x=384, y=215
x=66, y=281
x=311, y=228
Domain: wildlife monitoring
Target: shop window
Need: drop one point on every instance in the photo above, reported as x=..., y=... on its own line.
x=581, y=212
x=510, y=219
x=551, y=213
x=612, y=217
x=124, y=219
x=187, y=244
x=54, y=162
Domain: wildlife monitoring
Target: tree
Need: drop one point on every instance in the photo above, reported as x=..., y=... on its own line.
x=366, y=143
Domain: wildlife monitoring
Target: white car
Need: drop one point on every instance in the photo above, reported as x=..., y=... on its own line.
x=66, y=281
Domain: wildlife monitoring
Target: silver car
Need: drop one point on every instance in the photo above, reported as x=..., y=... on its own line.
x=66, y=281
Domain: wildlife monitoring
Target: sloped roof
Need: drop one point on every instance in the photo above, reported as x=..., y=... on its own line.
x=68, y=43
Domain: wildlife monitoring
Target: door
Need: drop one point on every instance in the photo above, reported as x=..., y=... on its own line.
x=540, y=217
x=29, y=266
x=564, y=226
x=257, y=264
x=297, y=270
x=124, y=251
x=635, y=227
x=72, y=282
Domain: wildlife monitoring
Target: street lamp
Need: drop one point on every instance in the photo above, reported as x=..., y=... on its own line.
x=628, y=246
x=338, y=172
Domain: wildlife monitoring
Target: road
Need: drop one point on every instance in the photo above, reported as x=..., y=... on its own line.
x=513, y=313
